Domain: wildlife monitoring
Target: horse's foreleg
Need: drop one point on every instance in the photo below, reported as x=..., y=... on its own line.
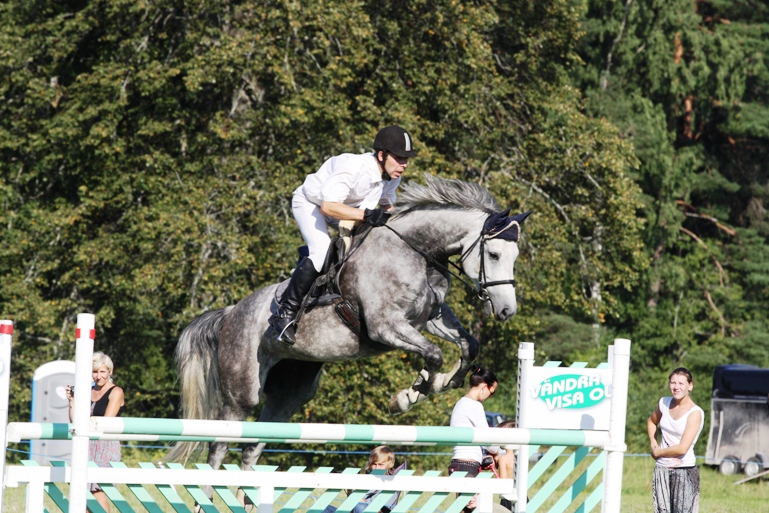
x=407, y=338
x=447, y=327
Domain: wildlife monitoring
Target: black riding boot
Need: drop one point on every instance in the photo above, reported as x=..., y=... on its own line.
x=301, y=282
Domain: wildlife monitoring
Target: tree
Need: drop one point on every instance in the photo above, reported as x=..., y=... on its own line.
x=148, y=152
x=686, y=82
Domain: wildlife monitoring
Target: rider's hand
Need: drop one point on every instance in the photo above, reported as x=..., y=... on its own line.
x=376, y=217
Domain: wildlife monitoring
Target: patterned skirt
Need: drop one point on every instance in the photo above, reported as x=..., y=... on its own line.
x=102, y=452
x=676, y=490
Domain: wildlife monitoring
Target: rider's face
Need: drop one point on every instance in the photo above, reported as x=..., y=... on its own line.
x=395, y=165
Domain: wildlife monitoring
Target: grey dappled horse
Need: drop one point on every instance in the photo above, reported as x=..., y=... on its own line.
x=229, y=359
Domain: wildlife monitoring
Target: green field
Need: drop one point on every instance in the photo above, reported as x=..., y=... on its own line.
x=719, y=494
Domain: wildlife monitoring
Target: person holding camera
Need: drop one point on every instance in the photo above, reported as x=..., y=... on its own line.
x=107, y=400
x=469, y=412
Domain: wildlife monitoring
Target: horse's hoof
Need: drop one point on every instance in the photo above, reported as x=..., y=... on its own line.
x=404, y=400
x=399, y=403
x=245, y=501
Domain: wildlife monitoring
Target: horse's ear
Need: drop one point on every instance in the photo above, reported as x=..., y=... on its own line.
x=521, y=217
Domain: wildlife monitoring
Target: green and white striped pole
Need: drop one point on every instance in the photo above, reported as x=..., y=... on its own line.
x=159, y=430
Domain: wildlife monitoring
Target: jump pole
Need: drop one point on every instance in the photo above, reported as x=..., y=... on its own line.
x=612, y=472
x=525, y=363
x=84, y=335
x=6, y=338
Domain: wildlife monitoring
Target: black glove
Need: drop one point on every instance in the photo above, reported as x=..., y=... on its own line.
x=376, y=217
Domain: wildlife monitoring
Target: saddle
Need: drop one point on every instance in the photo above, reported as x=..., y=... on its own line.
x=325, y=291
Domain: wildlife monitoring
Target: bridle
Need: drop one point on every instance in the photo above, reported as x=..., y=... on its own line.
x=485, y=235
x=482, y=283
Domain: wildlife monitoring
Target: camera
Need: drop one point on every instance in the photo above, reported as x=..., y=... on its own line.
x=72, y=390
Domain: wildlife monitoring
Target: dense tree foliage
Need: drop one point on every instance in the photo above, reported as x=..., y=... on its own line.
x=687, y=83
x=148, y=151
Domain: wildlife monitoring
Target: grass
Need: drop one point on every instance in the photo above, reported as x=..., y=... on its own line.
x=718, y=492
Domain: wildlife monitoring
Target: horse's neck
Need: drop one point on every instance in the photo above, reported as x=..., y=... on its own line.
x=440, y=233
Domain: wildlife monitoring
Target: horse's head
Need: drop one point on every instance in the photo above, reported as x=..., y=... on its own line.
x=490, y=262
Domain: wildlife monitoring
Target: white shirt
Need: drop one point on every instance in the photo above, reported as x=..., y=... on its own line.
x=673, y=430
x=469, y=413
x=355, y=180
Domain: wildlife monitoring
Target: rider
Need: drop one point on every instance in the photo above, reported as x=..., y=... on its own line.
x=346, y=187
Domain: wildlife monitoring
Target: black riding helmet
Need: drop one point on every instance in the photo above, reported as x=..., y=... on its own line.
x=395, y=140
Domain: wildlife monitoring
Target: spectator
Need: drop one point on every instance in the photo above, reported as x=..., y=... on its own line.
x=469, y=412
x=676, y=480
x=107, y=400
x=381, y=458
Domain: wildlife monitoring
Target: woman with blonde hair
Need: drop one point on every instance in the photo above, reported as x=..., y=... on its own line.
x=107, y=400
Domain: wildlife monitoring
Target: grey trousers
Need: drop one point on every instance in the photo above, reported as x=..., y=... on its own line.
x=676, y=490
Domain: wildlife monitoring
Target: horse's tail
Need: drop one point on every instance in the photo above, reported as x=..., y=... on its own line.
x=197, y=366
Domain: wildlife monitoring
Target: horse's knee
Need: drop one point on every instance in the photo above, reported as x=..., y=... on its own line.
x=433, y=360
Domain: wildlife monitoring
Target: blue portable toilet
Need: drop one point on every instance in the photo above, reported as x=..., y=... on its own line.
x=49, y=404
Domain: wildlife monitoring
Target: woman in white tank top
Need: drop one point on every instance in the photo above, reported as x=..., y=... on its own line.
x=676, y=480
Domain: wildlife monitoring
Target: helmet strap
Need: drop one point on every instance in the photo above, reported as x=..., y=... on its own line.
x=385, y=176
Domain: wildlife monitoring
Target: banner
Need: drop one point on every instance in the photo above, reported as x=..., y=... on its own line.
x=568, y=398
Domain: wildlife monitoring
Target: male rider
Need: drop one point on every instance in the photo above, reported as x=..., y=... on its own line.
x=346, y=187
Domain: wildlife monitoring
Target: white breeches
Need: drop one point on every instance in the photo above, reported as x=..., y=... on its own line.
x=314, y=228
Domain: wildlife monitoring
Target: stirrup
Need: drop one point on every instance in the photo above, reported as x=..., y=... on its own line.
x=282, y=314
x=287, y=340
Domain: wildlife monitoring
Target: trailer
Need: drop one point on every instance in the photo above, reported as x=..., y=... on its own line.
x=739, y=420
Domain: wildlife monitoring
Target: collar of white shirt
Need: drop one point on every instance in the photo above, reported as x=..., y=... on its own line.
x=375, y=173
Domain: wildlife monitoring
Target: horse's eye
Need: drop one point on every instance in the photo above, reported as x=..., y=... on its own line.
x=493, y=256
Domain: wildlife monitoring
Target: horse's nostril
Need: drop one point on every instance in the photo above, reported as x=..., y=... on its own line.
x=504, y=314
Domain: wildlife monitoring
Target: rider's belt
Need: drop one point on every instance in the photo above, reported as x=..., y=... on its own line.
x=469, y=463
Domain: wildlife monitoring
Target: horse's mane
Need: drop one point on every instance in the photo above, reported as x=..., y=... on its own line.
x=442, y=193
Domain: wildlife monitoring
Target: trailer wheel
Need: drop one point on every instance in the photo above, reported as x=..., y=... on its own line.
x=753, y=466
x=729, y=465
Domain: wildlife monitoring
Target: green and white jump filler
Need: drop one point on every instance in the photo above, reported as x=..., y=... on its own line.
x=587, y=405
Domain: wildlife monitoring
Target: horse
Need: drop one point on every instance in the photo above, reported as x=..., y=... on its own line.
x=397, y=279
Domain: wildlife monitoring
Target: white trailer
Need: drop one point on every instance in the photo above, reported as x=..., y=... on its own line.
x=739, y=420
